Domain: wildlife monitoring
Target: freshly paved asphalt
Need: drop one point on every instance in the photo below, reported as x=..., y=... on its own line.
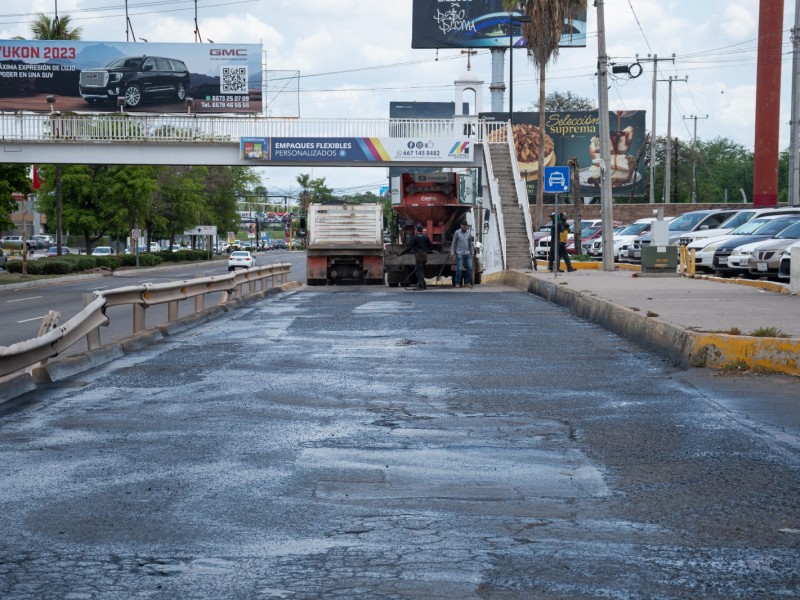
x=377, y=443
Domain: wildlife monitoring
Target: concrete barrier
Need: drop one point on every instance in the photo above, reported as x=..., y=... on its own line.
x=682, y=347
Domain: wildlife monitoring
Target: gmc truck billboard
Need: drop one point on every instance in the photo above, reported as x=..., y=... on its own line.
x=141, y=77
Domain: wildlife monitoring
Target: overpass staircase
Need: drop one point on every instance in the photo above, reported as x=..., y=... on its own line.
x=518, y=232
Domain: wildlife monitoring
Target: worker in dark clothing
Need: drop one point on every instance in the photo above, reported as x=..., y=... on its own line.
x=420, y=245
x=560, y=235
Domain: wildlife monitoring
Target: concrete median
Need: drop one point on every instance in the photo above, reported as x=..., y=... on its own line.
x=676, y=342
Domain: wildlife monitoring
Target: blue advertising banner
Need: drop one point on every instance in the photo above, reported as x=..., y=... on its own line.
x=481, y=24
x=362, y=149
x=148, y=77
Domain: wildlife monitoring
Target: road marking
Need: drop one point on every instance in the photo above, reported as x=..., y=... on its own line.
x=23, y=299
x=33, y=319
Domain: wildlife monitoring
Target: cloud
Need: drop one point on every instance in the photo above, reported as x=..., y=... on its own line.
x=738, y=23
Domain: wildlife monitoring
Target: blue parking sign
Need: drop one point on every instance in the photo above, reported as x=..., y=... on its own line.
x=556, y=180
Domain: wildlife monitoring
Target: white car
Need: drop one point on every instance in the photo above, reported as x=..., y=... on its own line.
x=706, y=247
x=103, y=251
x=733, y=222
x=241, y=259
x=732, y=257
x=631, y=232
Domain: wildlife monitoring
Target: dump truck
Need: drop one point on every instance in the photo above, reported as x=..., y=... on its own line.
x=438, y=201
x=345, y=244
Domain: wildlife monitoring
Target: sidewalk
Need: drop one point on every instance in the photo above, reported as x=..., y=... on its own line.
x=687, y=320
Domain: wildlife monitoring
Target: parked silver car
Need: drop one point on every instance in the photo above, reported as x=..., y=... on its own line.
x=766, y=259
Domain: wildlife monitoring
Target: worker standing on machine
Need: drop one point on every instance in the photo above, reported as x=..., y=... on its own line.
x=463, y=247
x=420, y=245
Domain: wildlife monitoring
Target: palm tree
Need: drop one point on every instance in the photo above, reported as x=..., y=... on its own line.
x=45, y=28
x=542, y=35
x=304, y=181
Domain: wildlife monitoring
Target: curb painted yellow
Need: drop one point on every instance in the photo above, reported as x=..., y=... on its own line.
x=769, y=286
x=682, y=346
x=719, y=351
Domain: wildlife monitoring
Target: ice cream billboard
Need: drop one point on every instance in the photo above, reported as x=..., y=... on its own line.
x=480, y=24
x=576, y=134
x=63, y=75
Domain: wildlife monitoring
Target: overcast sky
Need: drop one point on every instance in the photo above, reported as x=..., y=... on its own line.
x=354, y=57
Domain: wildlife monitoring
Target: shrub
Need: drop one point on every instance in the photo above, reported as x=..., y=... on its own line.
x=14, y=266
x=146, y=259
x=768, y=332
x=35, y=267
x=84, y=263
x=149, y=260
x=109, y=262
x=55, y=266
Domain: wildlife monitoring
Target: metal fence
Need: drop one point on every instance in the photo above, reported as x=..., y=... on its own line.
x=86, y=324
x=122, y=127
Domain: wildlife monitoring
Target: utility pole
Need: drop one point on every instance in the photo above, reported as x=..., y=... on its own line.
x=694, y=156
x=654, y=60
x=605, y=141
x=794, y=126
x=668, y=154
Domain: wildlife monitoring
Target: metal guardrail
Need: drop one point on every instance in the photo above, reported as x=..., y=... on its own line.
x=86, y=324
x=131, y=127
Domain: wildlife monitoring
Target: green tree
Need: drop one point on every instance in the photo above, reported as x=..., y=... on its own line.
x=13, y=179
x=565, y=101
x=783, y=176
x=724, y=168
x=130, y=198
x=179, y=201
x=88, y=212
x=542, y=36
x=224, y=185
x=319, y=193
x=45, y=28
x=304, y=181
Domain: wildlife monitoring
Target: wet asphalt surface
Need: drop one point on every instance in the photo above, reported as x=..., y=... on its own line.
x=377, y=443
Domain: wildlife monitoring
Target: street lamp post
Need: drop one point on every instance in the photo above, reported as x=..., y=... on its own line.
x=511, y=19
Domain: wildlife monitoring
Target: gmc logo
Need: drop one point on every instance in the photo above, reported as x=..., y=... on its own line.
x=227, y=52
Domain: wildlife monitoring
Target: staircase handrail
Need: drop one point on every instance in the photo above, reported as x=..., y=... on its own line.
x=522, y=192
x=494, y=196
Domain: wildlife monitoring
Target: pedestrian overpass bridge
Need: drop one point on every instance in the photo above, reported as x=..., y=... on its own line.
x=125, y=138
x=504, y=225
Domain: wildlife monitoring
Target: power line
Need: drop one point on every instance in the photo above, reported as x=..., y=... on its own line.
x=640, y=27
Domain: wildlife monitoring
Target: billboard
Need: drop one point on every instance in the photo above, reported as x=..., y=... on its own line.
x=92, y=76
x=367, y=149
x=576, y=134
x=478, y=24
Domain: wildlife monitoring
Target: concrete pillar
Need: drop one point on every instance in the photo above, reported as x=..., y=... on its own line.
x=794, y=272
x=768, y=103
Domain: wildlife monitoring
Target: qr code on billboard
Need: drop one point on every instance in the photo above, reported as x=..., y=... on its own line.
x=233, y=80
